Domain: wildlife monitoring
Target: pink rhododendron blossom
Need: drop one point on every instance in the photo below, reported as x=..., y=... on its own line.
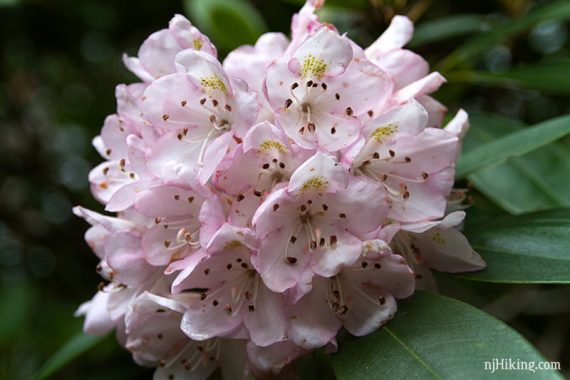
x=264, y=204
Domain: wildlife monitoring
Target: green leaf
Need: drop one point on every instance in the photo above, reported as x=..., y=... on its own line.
x=529, y=248
x=229, y=23
x=513, y=145
x=446, y=27
x=75, y=347
x=435, y=337
x=558, y=10
x=551, y=77
x=538, y=180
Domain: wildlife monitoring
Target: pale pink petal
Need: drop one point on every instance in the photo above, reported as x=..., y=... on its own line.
x=399, y=33
x=435, y=110
x=320, y=173
x=124, y=255
x=267, y=323
x=403, y=66
x=426, y=85
x=97, y=319
x=311, y=321
x=324, y=53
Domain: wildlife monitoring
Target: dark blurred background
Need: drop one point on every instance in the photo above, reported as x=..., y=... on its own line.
x=60, y=62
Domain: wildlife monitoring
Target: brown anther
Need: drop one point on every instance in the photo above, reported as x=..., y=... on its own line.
x=366, y=163
x=265, y=166
x=376, y=155
x=377, y=266
x=408, y=159
x=215, y=303
x=180, y=136
x=294, y=85
x=202, y=101
x=303, y=208
x=364, y=264
x=293, y=239
x=244, y=265
x=207, y=271
x=275, y=207
x=183, y=103
x=105, y=170
x=370, y=113
x=406, y=195
x=257, y=193
x=302, y=130
x=349, y=111
x=108, y=151
x=392, y=153
x=313, y=244
x=325, y=207
x=228, y=108
x=288, y=103
x=311, y=127
x=167, y=243
x=251, y=308
x=291, y=260
x=337, y=96
x=212, y=118
x=177, y=197
x=190, y=199
x=282, y=165
x=229, y=266
x=322, y=242
x=203, y=296
x=382, y=300
x=215, y=102
x=240, y=197
x=333, y=240
x=342, y=215
x=309, y=83
x=165, y=117
x=333, y=130
x=122, y=163
x=425, y=175
x=324, y=86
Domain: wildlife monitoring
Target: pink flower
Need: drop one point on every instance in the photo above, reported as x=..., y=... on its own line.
x=156, y=55
x=315, y=223
x=320, y=93
x=361, y=298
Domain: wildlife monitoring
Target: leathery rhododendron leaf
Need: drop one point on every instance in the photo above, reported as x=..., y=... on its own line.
x=262, y=204
x=435, y=337
x=531, y=248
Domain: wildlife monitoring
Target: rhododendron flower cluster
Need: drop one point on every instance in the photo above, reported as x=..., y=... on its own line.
x=265, y=203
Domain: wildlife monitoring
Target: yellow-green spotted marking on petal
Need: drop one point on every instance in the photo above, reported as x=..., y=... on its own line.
x=269, y=145
x=314, y=66
x=438, y=238
x=315, y=184
x=385, y=131
x=233, y=244
x=197, y=43
x=213, y=83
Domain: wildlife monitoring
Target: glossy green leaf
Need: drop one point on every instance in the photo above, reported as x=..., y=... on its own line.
x=550, y=77
x=75, y=347
x=558, y=10
x=535, y=181
x=435, y=337
x=513, y=145
x=447, y=27
x=229, y=23
x=529, y=248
